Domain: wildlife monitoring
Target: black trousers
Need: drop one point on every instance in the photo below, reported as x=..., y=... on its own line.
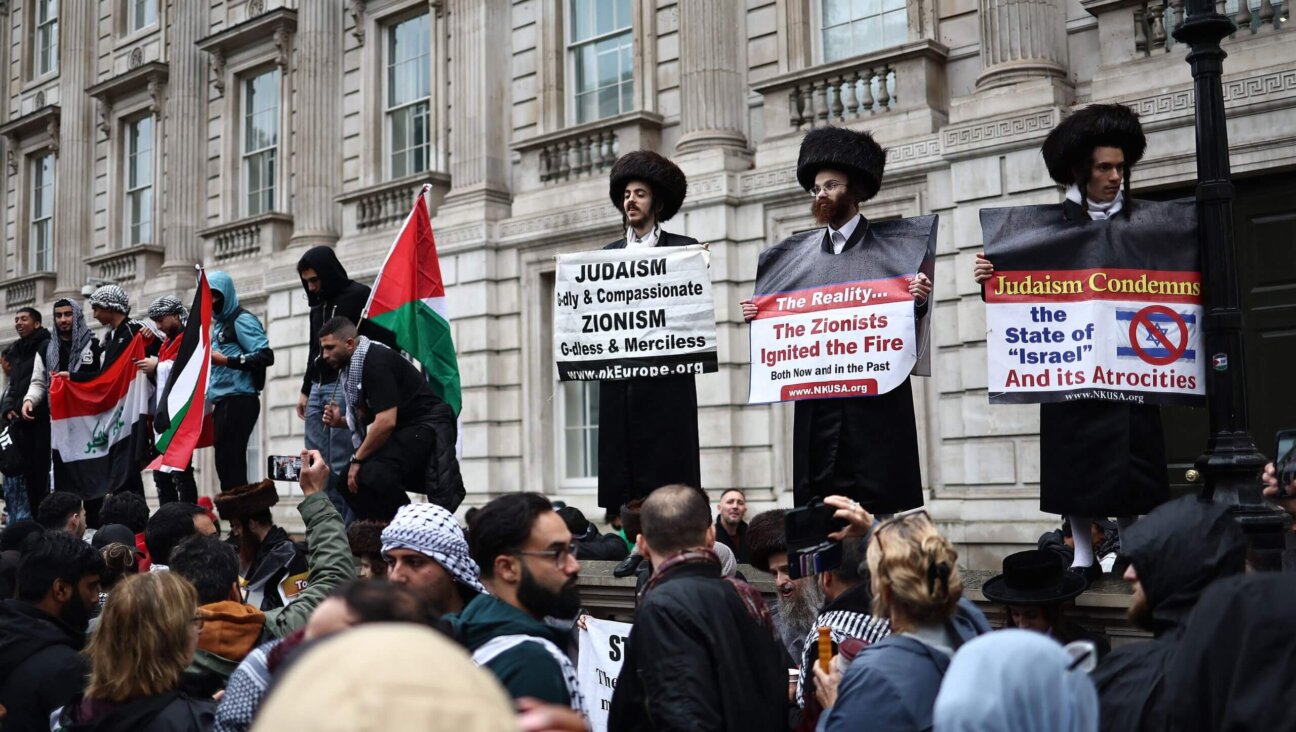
x=36, y=461
x=400, y=466
x=233, y=419
x=172, y=487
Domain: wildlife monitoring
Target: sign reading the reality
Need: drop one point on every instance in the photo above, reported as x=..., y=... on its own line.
x=841, y=325
x=634, y=313
x=1096, y=309
x=601, y=654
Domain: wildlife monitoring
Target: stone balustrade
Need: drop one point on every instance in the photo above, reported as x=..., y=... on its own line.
x=842, y=97
x=387, y=204
x=582, y=155
x=1148, y=25
x=247, y=238
x=20, y=294
x=28, y=290
x=125, y=266
x=585, y=151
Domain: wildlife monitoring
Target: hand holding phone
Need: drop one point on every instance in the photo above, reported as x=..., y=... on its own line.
x=284, y=467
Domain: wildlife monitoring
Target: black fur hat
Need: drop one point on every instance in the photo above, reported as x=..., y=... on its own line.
x=667, y=181
x=765, y=536
x=854, y=153
x=1071, y=143
x=242, y=501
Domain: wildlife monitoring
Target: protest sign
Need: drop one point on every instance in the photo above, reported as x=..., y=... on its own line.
x=840, y=325
x=601, y=653
x=1105, y=310
x=634, y=313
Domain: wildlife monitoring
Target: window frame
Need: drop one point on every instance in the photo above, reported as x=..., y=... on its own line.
x=388, y=111
x=563, y=432
x=46, y=221
x=570, y=51
x=817, y=33
x=128, y=11
x=245, y=80
x=129, y=225
x=37, y=47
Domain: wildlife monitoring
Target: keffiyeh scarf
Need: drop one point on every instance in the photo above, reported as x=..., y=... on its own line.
x=432, y=531
x=81, y=336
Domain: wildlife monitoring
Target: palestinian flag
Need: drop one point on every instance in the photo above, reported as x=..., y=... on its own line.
x=182, y=406
x=100, y=428
x=408, y=299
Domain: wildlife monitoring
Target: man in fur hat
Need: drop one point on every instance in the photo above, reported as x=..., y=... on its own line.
x=1091, y=153
x=648, y=430
x=865, y=448
x=274, y=567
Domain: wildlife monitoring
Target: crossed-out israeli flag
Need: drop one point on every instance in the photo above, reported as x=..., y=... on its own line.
x=1171, y=332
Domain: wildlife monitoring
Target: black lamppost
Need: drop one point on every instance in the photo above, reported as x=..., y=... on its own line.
x=1231, y=463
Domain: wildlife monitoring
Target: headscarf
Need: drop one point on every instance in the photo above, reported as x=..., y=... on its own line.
x=81, y=336
x=1015, y=681
x=167, y=305
x=111, y=297
x=432, y=531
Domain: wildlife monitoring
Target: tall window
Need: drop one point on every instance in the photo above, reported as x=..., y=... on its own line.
x=46, y=47
x=854, y=27
x=580, y=429
x=141, y=14
x=408, y=90
x=260, y=141
x=601, y=52
x=139, y=181
x=41, y=239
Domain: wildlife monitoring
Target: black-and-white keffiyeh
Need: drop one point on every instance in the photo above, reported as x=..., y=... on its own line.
x=167, y=305
x=351, y=386
x=433, y=532
x=81, y=336
x=843, y=624
x=111, y=297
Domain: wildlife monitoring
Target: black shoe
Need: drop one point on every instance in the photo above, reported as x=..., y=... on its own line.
x=1091, y=574
x=1121, y=564
x=628, y=566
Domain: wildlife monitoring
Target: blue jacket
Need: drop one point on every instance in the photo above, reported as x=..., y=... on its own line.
x=892, y=684
x=236, y=334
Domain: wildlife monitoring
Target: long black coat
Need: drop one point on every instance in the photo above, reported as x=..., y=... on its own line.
x=1100, y=458
x=864, y=448
x=697, y=660
x=648, y=428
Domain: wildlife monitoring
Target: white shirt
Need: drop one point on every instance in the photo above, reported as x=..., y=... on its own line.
x=1097, y=211
x=649, y=240
x=839, y=237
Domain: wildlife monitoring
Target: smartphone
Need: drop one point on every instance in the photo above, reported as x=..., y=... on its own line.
x=284, y=467
x=811, y=524
x=1285, y=461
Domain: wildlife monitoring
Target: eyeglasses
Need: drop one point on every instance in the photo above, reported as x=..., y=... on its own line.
x=827, y=187
x=559, y=555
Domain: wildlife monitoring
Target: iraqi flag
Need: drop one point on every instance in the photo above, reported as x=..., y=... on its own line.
x=182, y=423
x=408, y=298
x=100, y=428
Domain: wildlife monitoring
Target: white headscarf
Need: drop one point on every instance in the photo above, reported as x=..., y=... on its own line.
x=1015, y=681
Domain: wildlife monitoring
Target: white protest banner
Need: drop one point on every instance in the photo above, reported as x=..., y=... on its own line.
x=1105, y=310
x=850, y=339
x=601, y=653
x=634, y=313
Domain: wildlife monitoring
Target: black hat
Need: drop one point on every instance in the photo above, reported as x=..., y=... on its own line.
x=853, y=153
x=668, y=183
x=114, y=534
x=1034, y=577
x=766, y=535
x=242, y=501
x=1071, y=143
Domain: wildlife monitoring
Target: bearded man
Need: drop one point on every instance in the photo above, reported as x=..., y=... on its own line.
x=529, y=565
x=799, y=599
x=273, y=567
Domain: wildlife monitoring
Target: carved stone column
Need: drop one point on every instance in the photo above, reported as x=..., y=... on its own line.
x=480, y=115
x=184, y=142
x=318, y=123
x=75, y=145
x=1022, y=40
x=713, y=105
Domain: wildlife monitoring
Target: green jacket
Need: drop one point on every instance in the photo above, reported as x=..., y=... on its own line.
x=527, y=669
x=328, y=557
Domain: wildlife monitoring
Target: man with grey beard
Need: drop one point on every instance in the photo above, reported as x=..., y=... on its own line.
x=799, y=600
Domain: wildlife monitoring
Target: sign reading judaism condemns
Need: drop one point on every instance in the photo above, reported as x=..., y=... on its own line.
x=634, y=313
x=1106, y=310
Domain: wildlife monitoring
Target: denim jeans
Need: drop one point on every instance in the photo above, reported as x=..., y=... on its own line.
x=15, y=496
x=334, y=443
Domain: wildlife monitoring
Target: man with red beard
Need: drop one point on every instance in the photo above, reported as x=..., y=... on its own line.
x=865, y=448
x=648, y=428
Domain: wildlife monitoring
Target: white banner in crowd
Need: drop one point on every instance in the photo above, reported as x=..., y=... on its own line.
x=634, y=313
x=602, y=651
x=844, y=340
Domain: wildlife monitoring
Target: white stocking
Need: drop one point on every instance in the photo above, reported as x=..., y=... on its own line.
x=1083, y=537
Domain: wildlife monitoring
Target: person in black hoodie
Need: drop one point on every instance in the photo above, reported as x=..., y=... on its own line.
x=30, y=431
x=43, y=628
x=330, y=294
x=146, y=637
x=1176, y=552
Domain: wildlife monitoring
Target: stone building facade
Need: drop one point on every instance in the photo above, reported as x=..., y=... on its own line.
x=143, y=136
